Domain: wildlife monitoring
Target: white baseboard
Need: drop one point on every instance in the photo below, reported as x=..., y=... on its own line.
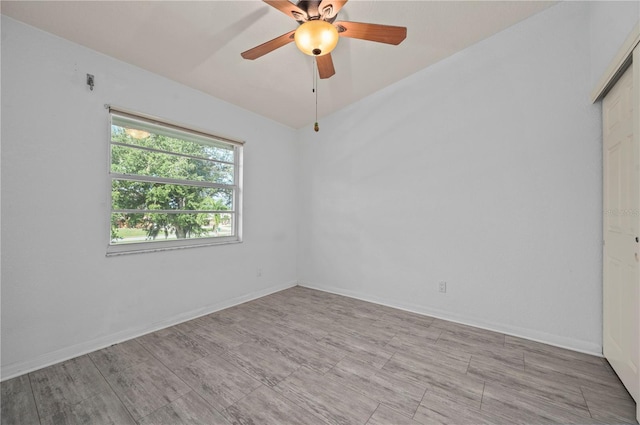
x=20, y=368
x=530, y=334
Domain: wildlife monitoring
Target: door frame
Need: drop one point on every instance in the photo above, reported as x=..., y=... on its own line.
x=628, y=56
x=621, y=61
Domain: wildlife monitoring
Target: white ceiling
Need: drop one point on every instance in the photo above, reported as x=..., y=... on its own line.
x=198, y=43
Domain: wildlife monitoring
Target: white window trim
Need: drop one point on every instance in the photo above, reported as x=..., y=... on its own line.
x=145, y=247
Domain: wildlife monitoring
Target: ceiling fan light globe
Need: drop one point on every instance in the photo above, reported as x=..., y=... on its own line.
x=316, y=35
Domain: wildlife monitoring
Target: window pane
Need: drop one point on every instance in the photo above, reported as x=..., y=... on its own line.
x=191, y=192
x=130, y=160
x=133, y=195
x=150, y=136
x=150, y=227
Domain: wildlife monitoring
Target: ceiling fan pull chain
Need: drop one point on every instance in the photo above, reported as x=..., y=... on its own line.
x=316, y=127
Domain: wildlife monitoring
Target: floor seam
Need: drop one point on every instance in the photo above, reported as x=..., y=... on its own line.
x=240, y=399
x=586, y=403
x=33, y=394
x=372, y=413
x=421, y=400
x=113, y=390
x=283, y=394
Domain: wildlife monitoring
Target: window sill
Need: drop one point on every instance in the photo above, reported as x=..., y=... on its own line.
x=146, y=247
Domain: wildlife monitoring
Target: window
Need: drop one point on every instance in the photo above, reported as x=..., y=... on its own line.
x=171, y=187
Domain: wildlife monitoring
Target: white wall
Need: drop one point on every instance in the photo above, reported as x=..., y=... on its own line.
x=60, y=295
x=484, y=171
x=611, y=22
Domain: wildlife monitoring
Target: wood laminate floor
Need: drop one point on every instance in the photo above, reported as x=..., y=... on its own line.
x=307, y=357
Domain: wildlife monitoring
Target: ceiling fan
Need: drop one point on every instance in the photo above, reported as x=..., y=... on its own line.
x=319, y=31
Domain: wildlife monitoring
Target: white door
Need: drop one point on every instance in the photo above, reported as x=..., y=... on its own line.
x=621, y=192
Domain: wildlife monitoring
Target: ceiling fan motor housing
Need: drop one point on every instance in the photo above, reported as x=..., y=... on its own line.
x=314, y=10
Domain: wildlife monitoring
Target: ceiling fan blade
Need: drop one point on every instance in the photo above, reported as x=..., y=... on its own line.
x=325, y=66
x=288, y=9
x=372, y=32
x=269, y=46
x=330, y=8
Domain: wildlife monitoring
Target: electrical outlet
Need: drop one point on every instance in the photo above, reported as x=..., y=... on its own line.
x=442, y=287
x=259, y=272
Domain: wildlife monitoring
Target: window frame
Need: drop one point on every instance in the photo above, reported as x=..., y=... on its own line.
x=169, y=126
